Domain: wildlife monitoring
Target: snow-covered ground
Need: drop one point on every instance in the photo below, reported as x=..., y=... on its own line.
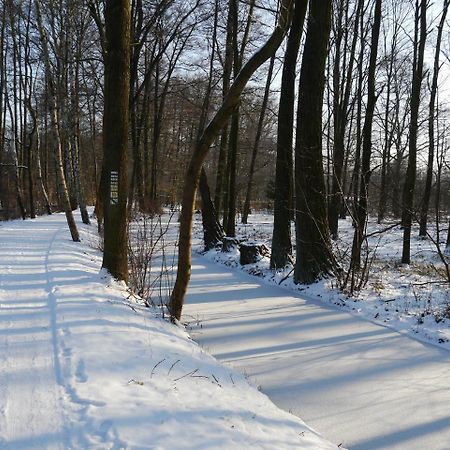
x=83, y=366
x=409, y=298
x=356, y=381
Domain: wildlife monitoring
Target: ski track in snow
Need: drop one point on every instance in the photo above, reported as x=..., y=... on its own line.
x=38, y=397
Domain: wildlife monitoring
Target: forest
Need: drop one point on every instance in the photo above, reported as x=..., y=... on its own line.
x=306, y=143
x=376, y=72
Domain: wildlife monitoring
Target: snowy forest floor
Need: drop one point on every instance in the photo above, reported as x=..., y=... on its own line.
x=370, y=371
x=356, y=382
x=84, y=366
x=414, y=299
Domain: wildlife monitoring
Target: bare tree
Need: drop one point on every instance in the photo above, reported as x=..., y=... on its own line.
x=281, y=236
x=313, y=248
x=201, y=150
x=342, y=85
x=361, y=206
x=115, y=137
x=52, y=90
x=420, y=35
x=431, y=120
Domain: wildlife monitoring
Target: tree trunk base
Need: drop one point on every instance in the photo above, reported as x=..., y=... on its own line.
x=229, y=244
x=252, y=253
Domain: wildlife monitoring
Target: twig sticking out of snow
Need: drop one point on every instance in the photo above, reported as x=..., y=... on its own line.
x=172, y=366
x=155, y=366
x=187, y=375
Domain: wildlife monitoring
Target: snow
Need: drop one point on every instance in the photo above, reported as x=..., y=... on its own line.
x=369, y=384
x=356, y=382
x=84, y=366
x=414, y=299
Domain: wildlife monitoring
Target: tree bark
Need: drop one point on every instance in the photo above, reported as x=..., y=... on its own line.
x=281, y=235
x=313, y=247
x=115, y=137
x=431, y=119
x=212, y=230
x=62, y=186
x=410, y=178
x=201, y=150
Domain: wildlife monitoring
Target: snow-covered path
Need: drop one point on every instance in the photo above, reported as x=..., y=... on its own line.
x=354, y=381
x=27, y=318
x=48, y=284
x=82, y=367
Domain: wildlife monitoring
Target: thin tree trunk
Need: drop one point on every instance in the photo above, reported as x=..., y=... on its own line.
x=222, y=160
x=361, y=211
x=201, y=150
x=410, y=178
x=255, y=149
x=213, y=232
x=2, y=81
x=76, y=134
x=341, y=99
x=15, y=115
x=61, y=180
x=281, y=235
x=431, y=120
x=40, y=180
x=15, y=158
x=230, y=226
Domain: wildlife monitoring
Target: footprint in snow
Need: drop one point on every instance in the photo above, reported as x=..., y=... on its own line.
x=81, y=372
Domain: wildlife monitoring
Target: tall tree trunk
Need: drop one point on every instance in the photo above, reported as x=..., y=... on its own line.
x=76, y=136
x=28, y=136
x=15, y=162
x=15, y=114
x=222, y=162
x=410, y=178
x=313, y=247
x=361, y=211
x=281, y=235
x=213, y=232
x=238, y=55
x=259, y=130
x=431, y=119
x=40, y=179
x=115, y=137
x=2, y=81
x=391, y=113
x=61, y=180
x=31, y=196
x=201, y=150
x=230, y=210
x=359, y=104
x=341, y=99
